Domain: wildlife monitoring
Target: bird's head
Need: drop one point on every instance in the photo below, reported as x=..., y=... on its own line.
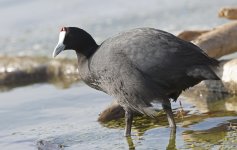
x=73, y=38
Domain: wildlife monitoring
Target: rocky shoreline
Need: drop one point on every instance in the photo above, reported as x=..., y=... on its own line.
x=25, y=70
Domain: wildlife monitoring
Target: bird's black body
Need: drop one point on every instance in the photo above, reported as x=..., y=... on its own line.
x=142, y=65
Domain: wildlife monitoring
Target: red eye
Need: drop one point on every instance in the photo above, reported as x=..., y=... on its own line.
x=63, y=29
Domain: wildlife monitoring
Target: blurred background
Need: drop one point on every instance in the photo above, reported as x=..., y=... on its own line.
x=43, y=104
x=32, y=27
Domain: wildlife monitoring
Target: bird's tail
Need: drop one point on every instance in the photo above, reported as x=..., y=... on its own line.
x=214, y=62
x=203, y=72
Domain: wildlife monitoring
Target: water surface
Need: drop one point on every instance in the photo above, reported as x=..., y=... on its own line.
x=42, y=115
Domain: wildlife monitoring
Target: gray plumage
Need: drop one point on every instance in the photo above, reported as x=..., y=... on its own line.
x=140, y=66
x=144, y=65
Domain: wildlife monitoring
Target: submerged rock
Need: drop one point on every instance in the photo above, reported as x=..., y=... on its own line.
x=47, y=145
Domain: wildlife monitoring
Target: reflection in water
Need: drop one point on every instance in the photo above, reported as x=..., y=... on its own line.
x=222, y=136
x=130, y=143
x=212, y=105
x=26, y=70
x=143, y=123
x=140, y=124
x=61, y=83
x=211, y=101
x=172, y=140
x=196, y=131
x=171, y=144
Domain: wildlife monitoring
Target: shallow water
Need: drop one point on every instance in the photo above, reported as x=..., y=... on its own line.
x=42, y=116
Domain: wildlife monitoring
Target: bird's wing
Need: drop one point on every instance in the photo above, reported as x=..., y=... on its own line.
x=159, y=49
x=174, y=63
x=142, y=64
x=159, y=55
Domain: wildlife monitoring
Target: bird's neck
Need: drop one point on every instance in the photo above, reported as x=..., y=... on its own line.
x=87, y=48
x=84, y=67
x=86, y=53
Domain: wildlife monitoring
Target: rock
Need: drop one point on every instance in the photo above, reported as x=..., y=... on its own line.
x=191, y=35
x=24, y=70
x=219, y=41
x=228, y=12
x=48, y=145
x=112, y=112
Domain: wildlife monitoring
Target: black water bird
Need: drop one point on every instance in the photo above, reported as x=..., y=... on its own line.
x=138, y=67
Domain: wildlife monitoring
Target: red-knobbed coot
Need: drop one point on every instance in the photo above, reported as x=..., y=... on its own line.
x=138, y=67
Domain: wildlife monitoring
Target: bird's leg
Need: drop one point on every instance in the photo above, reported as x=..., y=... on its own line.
x=128, y=122
x=167, y=108
x=172, y=141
